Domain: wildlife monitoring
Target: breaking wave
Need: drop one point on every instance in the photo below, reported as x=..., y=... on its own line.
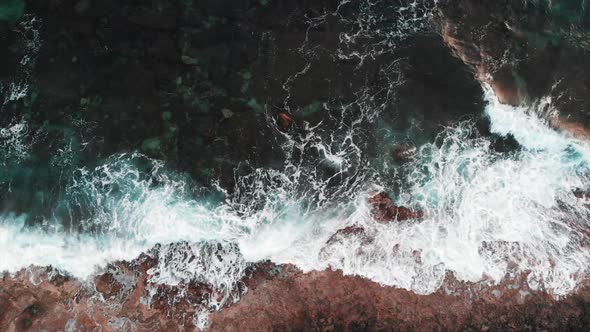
x=488, y=215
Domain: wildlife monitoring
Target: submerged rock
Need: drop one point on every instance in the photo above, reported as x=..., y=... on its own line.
x=83, y=6
x=346, y=232
x=385, y=211
x=187, y=60
x=285, y=120
x=282, y=297
x=160, y=18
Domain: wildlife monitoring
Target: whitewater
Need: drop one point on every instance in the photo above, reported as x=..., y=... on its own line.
x=489, y=215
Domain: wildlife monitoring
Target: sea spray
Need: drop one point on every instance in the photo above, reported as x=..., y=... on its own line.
x=487, y=214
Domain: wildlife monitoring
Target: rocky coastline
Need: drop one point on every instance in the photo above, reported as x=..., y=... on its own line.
x=159, y=72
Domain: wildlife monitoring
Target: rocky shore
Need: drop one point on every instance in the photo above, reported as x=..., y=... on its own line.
x=280, y=298
x=205, y=84
x=525, y=51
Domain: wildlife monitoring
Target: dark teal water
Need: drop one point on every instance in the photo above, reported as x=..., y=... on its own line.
x=110, y=146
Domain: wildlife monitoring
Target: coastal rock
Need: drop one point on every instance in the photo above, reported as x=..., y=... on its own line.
x=284, y=120
x=328, y=300
x=348, y=231
x=283, y=297
x=385, y=211
x=487, y=69
x=107, y=285
x=524, y=51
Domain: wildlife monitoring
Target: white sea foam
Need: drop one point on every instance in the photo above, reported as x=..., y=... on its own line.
x=13, y=145
x=488, y=215
x=30, y=43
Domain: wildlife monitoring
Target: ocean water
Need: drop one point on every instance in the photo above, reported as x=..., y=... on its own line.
x=489, y=215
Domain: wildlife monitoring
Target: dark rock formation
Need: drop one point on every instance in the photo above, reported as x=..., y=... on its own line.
x=285, y=120
x=525, y=50
x=582, y=194
x=347, y=232
x=385, y=211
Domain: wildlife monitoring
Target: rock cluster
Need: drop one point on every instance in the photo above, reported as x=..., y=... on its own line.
x=187, y=81
x=385, y=211
x=280, y=298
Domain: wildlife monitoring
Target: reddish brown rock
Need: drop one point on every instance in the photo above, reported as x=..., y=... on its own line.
x=284, y=120
x=575, y=129
x=281, y=297
x=380, y=200
x=347, y=232
x=329, y=301
x=385, y=211
x=475, y=55
x=514, y=56
x=52, y=303
x=107, y=285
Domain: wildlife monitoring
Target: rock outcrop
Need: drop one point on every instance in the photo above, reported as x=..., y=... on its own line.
x=385, y=211
x=279, y=298
x=157, y=76
x=525, y=51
